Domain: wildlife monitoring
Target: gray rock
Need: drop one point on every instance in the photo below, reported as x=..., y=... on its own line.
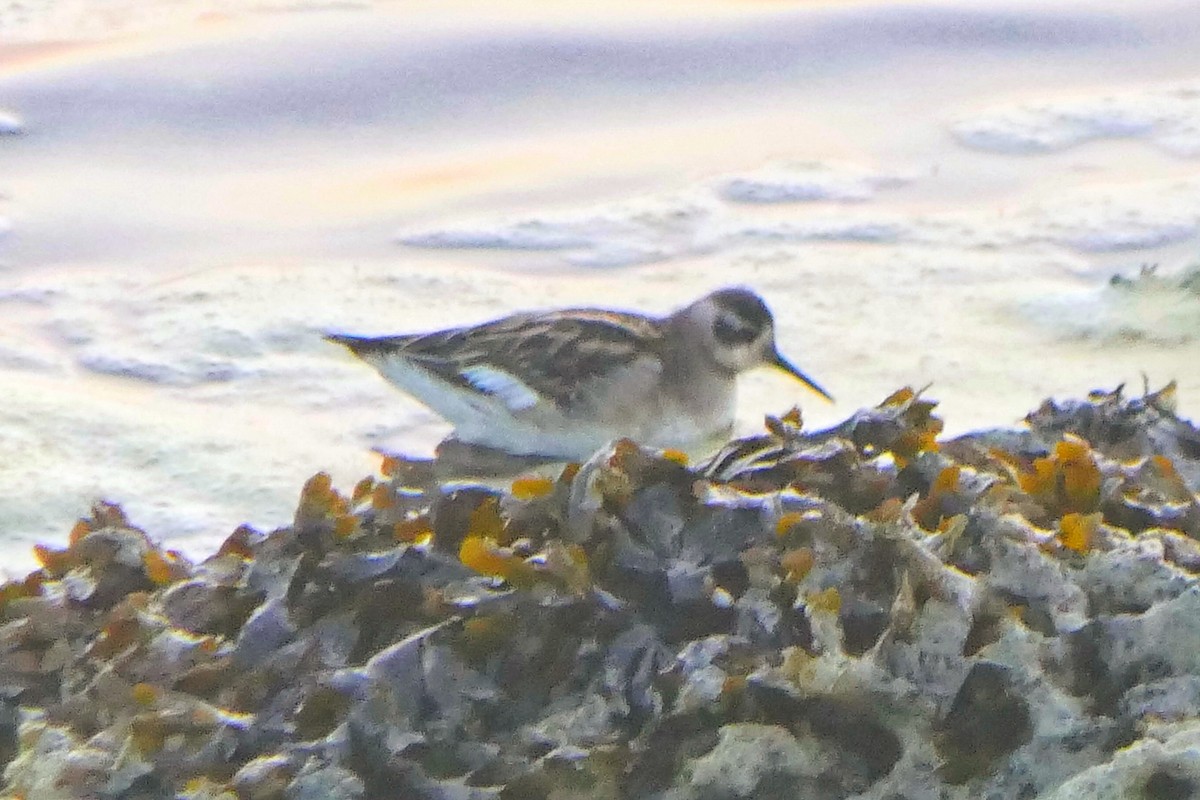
x=757, y=762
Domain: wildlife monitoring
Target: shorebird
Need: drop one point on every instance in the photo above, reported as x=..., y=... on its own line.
x=563, y=384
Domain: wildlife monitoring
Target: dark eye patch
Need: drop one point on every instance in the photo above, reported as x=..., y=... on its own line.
x=746, y=305
x=731, y=329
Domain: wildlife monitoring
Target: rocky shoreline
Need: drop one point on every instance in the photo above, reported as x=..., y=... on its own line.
x=864, y=612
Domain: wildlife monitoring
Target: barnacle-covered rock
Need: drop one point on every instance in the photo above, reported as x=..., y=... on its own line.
x=1162, y=766
x=757, y=761
x=867, y=611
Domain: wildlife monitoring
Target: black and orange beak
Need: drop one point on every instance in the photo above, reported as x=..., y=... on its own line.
x=791, y=369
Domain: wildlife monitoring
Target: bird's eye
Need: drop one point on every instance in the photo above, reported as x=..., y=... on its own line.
x=732, y=330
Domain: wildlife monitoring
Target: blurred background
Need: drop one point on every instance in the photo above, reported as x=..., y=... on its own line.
x=1000, y=199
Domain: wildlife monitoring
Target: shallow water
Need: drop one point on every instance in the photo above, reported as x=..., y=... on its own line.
x=926, y=192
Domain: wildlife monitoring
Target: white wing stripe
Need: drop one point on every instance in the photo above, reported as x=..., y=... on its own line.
x=508, y=388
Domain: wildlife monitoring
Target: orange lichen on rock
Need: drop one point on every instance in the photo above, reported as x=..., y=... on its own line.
x=827, y=600
x=317, y=494
x=148, y=733
x=345, y=526
x=389, y=467
x=890, y=510
x=486, y=557
x=145, y=694
x=787, y=521
x=930, y=510
x=678, y=456
x=1081, y=475
x=566, y=564
x=322, y=505
x=483, y=636
x=54, y=561
x=1158, y=473
x=482, y=556
x=532, y=487
x=33, y=585
x=362, y=490
x=628, y=606
x=238, y=543
x=163, y=568
x=1068, y=480
x=203, y=787
x=922, y=427
x=910, y=444
x=108, y=515
x=899, y=397
x=11, y=591
x=382, y=497
x=797, y=563
x=80, y=529
x=486, y=522
x=114, y=637
x=788, y=426
x=1077, y=531
x=947, y=480
x=412, y=530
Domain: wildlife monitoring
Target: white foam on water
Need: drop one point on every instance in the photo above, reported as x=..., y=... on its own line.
x=1155, y=307
x=807, y=183
x=623, y=234
x=10, y=124
x=1167, y=118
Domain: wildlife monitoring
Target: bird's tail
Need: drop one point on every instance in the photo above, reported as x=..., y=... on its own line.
x=370, y=348
x=356, y=344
